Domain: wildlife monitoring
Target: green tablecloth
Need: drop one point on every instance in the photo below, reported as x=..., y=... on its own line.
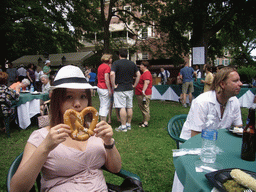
x=194, y=181
x=25, y=97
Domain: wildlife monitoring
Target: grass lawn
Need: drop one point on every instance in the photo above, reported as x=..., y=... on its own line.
x=146, y=152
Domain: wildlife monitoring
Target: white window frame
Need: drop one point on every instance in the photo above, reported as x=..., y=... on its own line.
x=144, y=33
x=145, y=56
x=128, y=8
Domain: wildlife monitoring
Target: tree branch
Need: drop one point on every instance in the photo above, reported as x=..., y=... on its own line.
x=126, y=25
x=135, y=17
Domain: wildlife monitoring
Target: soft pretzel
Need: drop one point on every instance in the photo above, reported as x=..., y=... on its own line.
x=76, y=122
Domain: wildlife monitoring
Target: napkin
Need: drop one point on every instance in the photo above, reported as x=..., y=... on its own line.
x=192, y=151
x=181, y=152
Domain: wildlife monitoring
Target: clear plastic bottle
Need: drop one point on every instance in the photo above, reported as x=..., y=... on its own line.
x=209, y=139
x=31, y=88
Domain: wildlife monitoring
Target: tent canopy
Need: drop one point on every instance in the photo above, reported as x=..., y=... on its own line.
x=75, y=58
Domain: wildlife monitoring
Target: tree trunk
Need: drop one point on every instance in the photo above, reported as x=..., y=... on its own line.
x=106, y=38
x=199, y=37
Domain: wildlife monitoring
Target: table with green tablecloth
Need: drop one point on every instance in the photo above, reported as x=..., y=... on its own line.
x=28, y=106
x=196, y=181
x=172, y=93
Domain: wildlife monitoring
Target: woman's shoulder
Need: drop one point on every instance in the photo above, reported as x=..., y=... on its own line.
x=38, y=136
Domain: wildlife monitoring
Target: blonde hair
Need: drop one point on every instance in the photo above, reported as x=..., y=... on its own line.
x=106, y=57
x=221, y=76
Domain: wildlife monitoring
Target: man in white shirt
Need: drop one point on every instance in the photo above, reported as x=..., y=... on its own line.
x=221, y=101
x=164, y=74
x=198, y=72
x=45, y=83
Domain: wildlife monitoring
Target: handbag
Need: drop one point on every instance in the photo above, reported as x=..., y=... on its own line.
x=44, y=120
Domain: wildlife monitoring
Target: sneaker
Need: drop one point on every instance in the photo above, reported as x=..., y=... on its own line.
x=120, y=129
x=185, y=105
x=128, y=127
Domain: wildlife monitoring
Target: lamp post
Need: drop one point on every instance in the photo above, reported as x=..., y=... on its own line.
x=63, y=59
x=40, y=61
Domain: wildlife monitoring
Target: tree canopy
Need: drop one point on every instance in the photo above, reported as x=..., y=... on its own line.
x=201, y=23
x=35, y=27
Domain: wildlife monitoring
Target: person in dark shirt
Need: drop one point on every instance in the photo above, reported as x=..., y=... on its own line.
x=121, y=75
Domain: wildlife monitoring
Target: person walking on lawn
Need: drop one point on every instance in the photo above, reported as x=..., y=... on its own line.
x=121, y=76
x=186, y=74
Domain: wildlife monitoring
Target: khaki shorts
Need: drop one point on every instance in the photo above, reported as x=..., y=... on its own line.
x=187, y=87
x=123, y=99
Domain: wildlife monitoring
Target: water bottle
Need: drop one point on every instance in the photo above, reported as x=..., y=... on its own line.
x=31, y=88
x=209, y=139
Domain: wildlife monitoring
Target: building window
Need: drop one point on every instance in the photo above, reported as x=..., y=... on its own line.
x=114, y=9
x=144, y=56
x=144, y=33
x=127, y=8
x=226, y=62
x=216, y=62
x=143, y=11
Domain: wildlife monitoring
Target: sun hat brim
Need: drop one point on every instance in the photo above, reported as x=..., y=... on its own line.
x=70, y=77
x=72, y=86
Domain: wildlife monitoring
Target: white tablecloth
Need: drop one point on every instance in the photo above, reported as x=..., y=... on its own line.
x=27, y=111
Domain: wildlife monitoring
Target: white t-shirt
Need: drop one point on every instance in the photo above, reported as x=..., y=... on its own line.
x=205, y=104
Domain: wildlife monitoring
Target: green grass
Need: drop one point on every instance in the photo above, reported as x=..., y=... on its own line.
x=146, y=152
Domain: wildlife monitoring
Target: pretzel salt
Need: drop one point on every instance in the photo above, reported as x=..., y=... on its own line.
x=75, y=120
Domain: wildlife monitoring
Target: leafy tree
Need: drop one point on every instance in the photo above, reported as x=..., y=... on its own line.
x=204, y=19
x=33, y=27
x=240, y=38
x=103, y=12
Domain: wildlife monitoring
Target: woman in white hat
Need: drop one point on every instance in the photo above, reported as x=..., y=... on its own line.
x=66, y=164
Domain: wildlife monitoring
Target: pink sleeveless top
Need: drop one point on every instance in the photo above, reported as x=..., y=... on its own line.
x=68, y=169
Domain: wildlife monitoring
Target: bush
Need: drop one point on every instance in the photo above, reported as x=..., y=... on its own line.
x=247, y=73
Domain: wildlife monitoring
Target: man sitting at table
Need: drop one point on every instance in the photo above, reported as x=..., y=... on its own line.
x=45, y=83
x=219, y=101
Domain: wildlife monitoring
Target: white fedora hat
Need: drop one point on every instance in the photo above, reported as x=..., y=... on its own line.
x=70, y=77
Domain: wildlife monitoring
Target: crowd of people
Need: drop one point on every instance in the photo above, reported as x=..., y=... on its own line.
x=51, y=151
x=13, y=81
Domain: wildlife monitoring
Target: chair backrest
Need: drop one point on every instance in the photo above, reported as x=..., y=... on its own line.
x=13, y=168
x=174, y=128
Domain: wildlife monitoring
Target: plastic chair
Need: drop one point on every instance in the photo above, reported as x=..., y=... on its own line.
x=15, y=164
x=174, y=127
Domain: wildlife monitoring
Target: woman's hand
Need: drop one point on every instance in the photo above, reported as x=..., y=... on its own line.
x=56, y=135
x=104, y=131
